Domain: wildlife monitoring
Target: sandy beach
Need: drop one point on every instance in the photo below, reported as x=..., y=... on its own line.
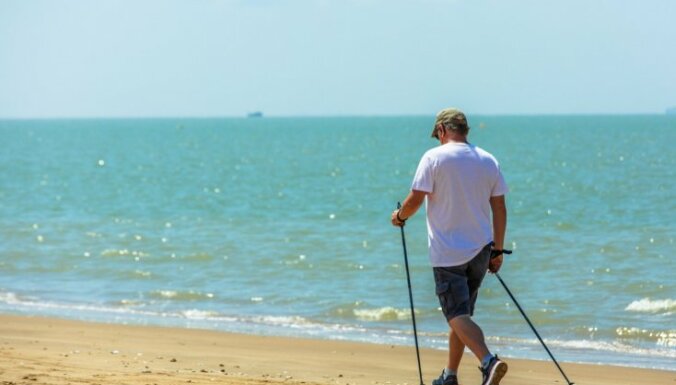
x=36, y=350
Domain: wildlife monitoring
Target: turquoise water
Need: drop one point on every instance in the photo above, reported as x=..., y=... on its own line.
x=281, y=226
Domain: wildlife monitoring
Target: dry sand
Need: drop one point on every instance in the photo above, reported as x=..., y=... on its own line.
x=37, y=350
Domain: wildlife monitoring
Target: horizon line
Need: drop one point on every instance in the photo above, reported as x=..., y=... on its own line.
x=313, y=116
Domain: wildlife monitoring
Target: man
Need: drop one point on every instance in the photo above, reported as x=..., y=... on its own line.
x=463, y=186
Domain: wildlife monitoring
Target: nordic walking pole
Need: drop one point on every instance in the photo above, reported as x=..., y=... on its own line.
x=410, y=297
x=532, y=327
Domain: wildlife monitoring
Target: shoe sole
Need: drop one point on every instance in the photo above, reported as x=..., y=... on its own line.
x=498, y=372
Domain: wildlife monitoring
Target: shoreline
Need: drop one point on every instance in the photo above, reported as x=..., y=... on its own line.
x=39, y=350
x=511, y=348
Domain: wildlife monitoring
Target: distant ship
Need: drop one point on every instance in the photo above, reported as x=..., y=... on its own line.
x=255, y=114
x=670, y=111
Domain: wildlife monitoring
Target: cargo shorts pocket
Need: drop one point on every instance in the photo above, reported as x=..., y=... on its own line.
x=443, y=292
x=453, y=294
x=442, y=287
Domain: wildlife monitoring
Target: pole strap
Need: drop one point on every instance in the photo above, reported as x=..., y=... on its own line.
x=497, y=252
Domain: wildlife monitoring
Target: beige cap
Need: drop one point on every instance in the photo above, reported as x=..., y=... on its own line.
x=452, y=118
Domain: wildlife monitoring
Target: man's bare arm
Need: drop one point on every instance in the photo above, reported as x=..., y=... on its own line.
x=499, y=209
x=410, y=206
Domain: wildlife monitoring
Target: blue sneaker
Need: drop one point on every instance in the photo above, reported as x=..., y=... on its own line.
x=450, y=380
x=493, y=372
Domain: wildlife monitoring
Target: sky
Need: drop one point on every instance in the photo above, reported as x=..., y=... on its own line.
x=207, y=58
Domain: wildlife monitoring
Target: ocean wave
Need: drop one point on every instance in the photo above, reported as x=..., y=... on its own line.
x=595, y=345
x=199, y=314
x=359, y=311
x=24, y=303
x=181, y=295
x=138, y=310
x=123, y=252
x=291, y=321
x=666, y=338
x=386, y=313
x=9, y=298
x=647, y=305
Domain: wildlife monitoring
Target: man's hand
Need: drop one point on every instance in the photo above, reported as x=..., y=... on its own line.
x=395, y=219
x=411, y=204
x=495, y=263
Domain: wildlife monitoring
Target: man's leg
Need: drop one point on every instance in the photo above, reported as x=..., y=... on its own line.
x=455, y=350
x=469, y=334
x=457, y=288
x=492, y=368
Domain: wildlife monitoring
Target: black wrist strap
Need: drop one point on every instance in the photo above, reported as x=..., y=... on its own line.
x=399, y=218
x=497, y=252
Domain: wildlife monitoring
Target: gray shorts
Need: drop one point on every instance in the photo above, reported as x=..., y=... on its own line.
x=458, y=286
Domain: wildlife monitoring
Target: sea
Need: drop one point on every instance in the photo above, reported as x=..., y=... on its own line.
x=281, y=226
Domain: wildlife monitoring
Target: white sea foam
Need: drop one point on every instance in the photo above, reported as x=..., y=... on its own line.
x=290, y=321
x=198, y=314
x=123, y=252
x=386, y=313
x=666, y=338
x=128, y=309
x=9, y=298
x=181, y=295
x=602, y=346
x=647, y=305
x=32, y=303
x=167, y=293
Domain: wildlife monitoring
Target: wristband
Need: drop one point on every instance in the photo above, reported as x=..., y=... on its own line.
x=496, y=252
x=399, y=218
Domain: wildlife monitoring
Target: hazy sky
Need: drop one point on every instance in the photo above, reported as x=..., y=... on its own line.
x=100, y=58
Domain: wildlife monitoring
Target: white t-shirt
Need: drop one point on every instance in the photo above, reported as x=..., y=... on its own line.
x=459, y=178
